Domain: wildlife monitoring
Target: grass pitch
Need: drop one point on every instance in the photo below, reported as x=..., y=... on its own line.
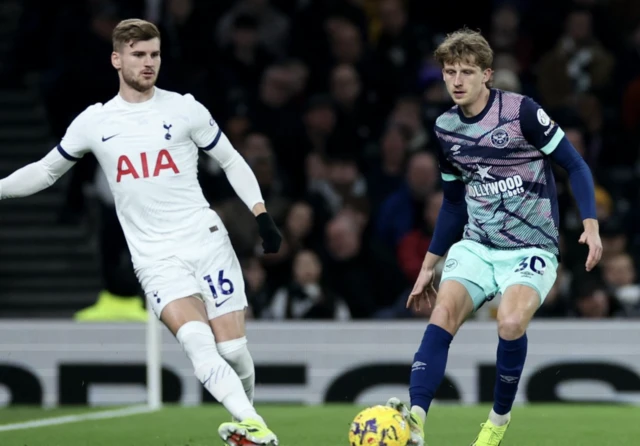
x=535, y=425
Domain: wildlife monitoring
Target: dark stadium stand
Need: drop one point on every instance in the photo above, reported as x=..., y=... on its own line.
x=46, y=269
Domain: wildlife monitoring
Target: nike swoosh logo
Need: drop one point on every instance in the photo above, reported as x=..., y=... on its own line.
x=219, y=304
x=108, y=138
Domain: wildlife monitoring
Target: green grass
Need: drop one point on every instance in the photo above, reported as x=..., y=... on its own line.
x=328, y=426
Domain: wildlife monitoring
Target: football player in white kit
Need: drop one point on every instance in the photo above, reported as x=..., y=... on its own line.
x=146, y=141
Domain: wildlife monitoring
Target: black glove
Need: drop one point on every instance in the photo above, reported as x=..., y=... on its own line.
x=271, y=237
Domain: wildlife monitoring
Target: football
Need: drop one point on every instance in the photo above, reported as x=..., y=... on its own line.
x=379, y=426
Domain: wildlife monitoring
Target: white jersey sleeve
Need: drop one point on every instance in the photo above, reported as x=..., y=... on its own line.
x=75, y=142
x=238, y=172
x=205, y=132
x=208, y=136
x=35, y=177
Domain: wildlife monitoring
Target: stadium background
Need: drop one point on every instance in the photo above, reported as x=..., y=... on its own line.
x=332, y=104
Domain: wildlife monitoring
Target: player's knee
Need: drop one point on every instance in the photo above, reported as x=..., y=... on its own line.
x=512, y=326
x=445, y=317
x=236, y=353
x=198, y=342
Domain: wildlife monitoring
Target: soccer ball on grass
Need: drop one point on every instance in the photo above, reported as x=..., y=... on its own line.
x=379, y=426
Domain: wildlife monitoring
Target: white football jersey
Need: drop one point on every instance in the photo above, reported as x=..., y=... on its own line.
x=149, y=154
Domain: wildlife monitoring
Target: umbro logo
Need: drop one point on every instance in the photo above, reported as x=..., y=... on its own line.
x=456, y=148
x=109, y=137
x=418, y=365
x=509, y=379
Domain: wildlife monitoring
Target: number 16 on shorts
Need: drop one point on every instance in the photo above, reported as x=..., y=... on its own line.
x=224, y=286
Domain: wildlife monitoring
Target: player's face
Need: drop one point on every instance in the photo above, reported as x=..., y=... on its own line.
x=138, y=64
x=465, y=82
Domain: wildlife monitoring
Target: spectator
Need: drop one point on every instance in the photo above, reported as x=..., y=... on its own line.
x=363, y=275
x=273, y=27
x=402, y=211
x=333, y=103
x=413, y=247
x=387, y=175
x=258, y=294
x=397, y=52
x=578, y=64
x=343, y=182
x=353, y=109
x=592, y=300
x=305, y=297
x=242, y=62
x=619, y=273
x=555, y=305
x=508, y=36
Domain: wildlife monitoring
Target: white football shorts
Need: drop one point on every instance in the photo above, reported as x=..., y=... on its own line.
x=211, y=272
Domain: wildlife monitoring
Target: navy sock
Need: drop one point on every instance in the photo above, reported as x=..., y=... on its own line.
x=428, y=366
x=509, y=364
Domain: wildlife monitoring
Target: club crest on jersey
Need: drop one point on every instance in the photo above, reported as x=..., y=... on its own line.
x=168, y=129
x=499, y=138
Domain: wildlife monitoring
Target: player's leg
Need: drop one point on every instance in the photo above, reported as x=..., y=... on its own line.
x=229, y=330
x=525, y=281
x=187, y=319
x=232, y=345
x=466, y=282
x=224, y=295
x=453, y=306
x=517, y=307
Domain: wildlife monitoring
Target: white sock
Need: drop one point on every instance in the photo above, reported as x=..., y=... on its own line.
x=237, y=355
x=499, y=420
x=419, y=411
x=214, y=373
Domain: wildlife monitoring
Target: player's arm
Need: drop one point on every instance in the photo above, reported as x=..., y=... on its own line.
x=450, y=224
x=549, y=138
x=210, y=138
x=36, y=176
x=245, y=184
x=453, y=213
x=239, y=174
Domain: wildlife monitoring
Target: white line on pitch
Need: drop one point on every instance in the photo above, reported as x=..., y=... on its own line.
x=102, y=415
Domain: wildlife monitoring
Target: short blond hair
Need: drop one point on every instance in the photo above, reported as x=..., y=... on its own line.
x=131, y=31
x=465, y=46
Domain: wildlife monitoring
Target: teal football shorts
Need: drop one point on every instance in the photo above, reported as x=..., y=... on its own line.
x=485, y=271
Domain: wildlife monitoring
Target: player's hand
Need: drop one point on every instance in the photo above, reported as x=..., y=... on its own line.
x=591, y=238
x=271, y=236
x=423, y=289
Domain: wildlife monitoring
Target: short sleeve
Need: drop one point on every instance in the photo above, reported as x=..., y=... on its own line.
x=538, y=128
x=447, y=170
x=76, y=142
x=205, y=132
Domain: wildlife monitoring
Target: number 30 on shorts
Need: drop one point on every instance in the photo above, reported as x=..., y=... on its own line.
x=534, y=263
x=224, y=285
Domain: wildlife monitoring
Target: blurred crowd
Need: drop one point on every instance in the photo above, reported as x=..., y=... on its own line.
x=332, y=103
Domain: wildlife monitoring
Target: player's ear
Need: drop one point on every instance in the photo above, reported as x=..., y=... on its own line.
x=487, y=75
x=115, y=60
